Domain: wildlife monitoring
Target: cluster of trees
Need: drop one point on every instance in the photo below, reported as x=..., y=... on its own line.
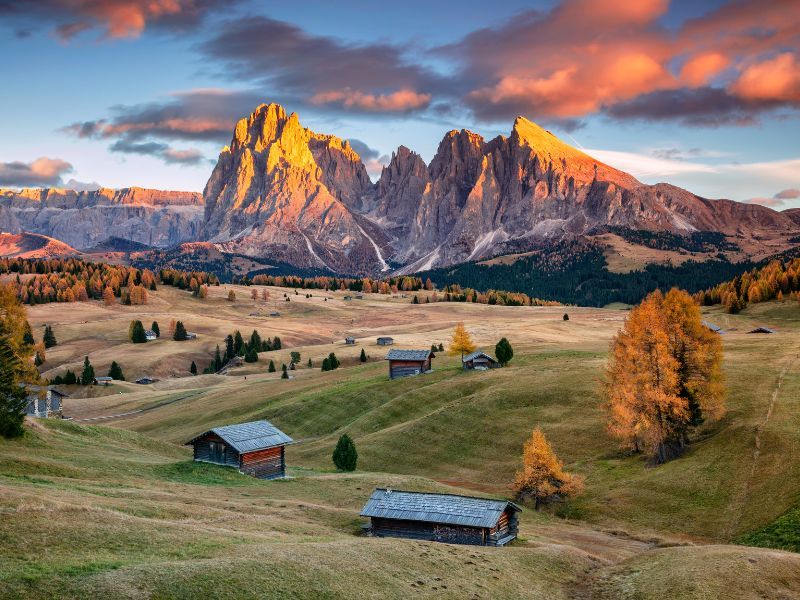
x=236, y=345
x=389, y=285
x=461, y=344
x=455, y=293
x=331, y=363
x=777, y=279
x=187, y=280
x=87, y=375
x=664, y=376
x=696, y=241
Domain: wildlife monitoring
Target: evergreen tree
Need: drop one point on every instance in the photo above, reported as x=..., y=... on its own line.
x=87, y=376
x=284, y=373
x=441, y=347
x=415, y=300
x=255, y=341
x=333, y=361
x=266, y=345
x=295, y=357
x=566, y=317
x=12, y=397
x=57, y=380
x=27, y=335
x=155, y=328
x=434, y=348
x=70, y=378
x=504, y=352
x=218, y=362
x=115, y=371
x=180, y=332
x=271, y=368
x=136, y=332
x=251, y=355
x=363, y=356
x=310, y=364
x=193, y=368
x=276, y=343
x=326, y=364
x=229, y=351
x=238, y=343
x=345, y=455
x=49, y=338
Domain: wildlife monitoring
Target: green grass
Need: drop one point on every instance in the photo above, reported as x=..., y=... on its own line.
x=782, y=533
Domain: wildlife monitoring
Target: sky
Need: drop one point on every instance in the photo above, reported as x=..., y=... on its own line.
x=704, y=95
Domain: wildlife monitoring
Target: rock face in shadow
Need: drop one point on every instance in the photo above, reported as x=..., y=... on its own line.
x=85, y=219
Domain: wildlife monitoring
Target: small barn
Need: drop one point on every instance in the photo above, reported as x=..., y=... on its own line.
x=441, y=517
x=256, y=448
x=44, y=401
x=146, y=380
x=712, y=327
x=403, y=363
x=385, y=341
x=150, y=335
x=103, y=380
x=479, y=360
x=350, y=341
x=190, y=335
x=762, y=330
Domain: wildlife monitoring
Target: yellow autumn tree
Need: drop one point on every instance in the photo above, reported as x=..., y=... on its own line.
x=108, y=297
x=664, y=376
x=461, y=342
x=542, y=477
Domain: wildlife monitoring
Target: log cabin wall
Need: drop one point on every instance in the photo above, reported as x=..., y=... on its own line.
x=202, y=451
x=264, y=464
x=403, y=368
x=435, y=532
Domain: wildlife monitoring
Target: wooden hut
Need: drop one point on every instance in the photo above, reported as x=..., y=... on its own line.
x=44, y=401
x=103, y=380
x=441, y=517
x=762, y=330
x=350, y=341
x=403, y=363
x=479, y=360
x=256, y=448
x=146, y=380
x=385, y=341
x=150, y=335
x=712, y=327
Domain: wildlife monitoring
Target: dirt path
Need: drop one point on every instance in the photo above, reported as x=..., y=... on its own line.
x=135, y=412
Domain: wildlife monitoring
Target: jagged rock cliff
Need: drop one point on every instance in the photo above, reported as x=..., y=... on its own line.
x=84, y=219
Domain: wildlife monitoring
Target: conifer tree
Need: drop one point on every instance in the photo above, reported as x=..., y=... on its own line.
x=276, y=343
x=27, y=335
x=255, y=340
x=193, y=367
x=566, y=317
x=504, y=352
x=326, y=364
x=310, y=364
x=295, y=355
x=345, y=455
x=155, y=328
x=271, y=368
x=87, y=376
x=251, y=355
x=363, y=357
x=238, y=343
x=284, y=372
x=218, y=362
x=12, y=396
x=136, y=332
x=180, y=332
x=542, y=476
x=70, y=378
x=49, y=338
x=115, y=371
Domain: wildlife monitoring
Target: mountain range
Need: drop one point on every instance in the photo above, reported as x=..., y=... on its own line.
x=284, y=193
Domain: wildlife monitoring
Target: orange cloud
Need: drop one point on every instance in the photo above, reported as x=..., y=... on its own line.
x=700, y=69
x=776, y=79
x=399, y=101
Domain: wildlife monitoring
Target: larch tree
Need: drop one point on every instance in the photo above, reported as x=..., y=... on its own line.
x=461, y=342
x=542, y=477
x=664, y=376
x=108, y=297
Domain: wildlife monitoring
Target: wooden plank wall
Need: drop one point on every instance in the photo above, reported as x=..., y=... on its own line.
x=264, y=464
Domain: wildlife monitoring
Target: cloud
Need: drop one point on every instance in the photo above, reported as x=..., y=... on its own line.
x=43, y=172
x=373, y=160
x=773, y=80
x=116, y=18
x=169, y=155
x=82, y=186
x=318, y=70
x=788, y=194
x=769, y=202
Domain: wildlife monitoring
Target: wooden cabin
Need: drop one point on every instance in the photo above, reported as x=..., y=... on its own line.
x=403, y=363
x=256, y=448
x=350, y=341
x=762, y=330
x=479, y=360
x=385, y=341
x=712, y=327
x=150, y=335
x=44, y=401
x=441, y=518
x=146, y=380
x=190, y=335
x=103, y=380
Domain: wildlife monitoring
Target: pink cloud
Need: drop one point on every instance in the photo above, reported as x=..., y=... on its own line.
x=400, y=101
x=776, y=79
x=700, y=69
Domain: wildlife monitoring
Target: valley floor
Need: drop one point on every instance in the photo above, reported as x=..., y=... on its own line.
x=110, y=504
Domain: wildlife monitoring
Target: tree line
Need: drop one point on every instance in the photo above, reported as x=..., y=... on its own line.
x=778, y=279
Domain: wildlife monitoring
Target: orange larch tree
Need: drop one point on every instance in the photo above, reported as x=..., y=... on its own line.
x=542, y=477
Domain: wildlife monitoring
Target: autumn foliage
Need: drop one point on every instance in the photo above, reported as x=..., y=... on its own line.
x=664, y=376
x=461, y=342
x=542, y=477
x=775, y=280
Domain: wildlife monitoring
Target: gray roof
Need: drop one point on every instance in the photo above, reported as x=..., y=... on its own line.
x=409, y=355
x=476, y=354
x=247, y=437
x=762, y=330
x=104, y=378
x=435, y=508
x=712, y=327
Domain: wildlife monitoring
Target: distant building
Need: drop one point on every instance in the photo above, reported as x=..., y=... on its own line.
x=350, y=341
x=103, y=380
x=275, y=314
x=359, y=296
x=712, y=327
x=44, y=401
x=441, y=517
x=348, y=297
x=403, y=363
x=256, y=448
x=762, y=330
x=146, y=380
x=479, y=360
x=150, y=335
x=190, y=335
x=385, y=341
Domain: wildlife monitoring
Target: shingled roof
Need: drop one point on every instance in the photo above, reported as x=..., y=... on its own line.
x=409, y=355
x=476, y=354
x=247, y=437
x=435, y=508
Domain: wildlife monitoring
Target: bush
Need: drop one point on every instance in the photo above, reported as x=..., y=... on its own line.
x=345, y=455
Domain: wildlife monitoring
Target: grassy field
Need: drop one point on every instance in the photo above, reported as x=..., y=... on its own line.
x=117, y=508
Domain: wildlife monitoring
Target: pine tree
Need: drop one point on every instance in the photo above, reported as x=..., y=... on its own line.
x=504, y=352
x=193, y=368
x=49, y=338
x=542, y=476
x=136, y=332
x=310, y=364
x=27, y=335
x=87, y=376
x=295, y=355
x=461, y=343
x=238, y=343
x=251, y=355
x=363, y=357
x=255, y=339
x=326, y=364
x=155, y=328
x=276, y=343
x=566, y=317
x=271, y=368
x=108, y=297
x=115, y=371
x=345, y=455
x=441, y=347
x=218, y=362
x=70, y=378
x=333, y=361
x=180, y=332
x=12, y=396
x=284, y=372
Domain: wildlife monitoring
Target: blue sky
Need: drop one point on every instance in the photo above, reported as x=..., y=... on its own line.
x=704, y=95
